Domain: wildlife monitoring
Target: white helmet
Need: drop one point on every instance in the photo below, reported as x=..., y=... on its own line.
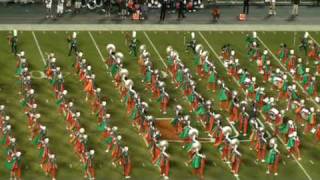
x=114, y=128
x=235, y=141
x=193, y=132
x=193, y=35
x=74, y=35
x=196, y=145
x=134, y=34
x=291, y=51
x=37, y=116
x=254, y=34
x=111, y=47
x=64, y=92
x=119, y=137
x=18, y=154
x=51, y=156
x=163, y=143
x=307, y=70
x=265, y=52
x=226, y=130
x=108, y=116
x=70, y=104
x=81, y=130
x=91, y=152
x=15, y=32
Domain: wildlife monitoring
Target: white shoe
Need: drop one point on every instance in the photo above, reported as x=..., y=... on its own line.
x=165, y=177
x=127, y=177
x=268, y=172
x=276, y=174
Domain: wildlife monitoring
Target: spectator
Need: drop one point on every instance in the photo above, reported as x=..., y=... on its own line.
x=68, y=6
x=123, y=9
x=77, y=6
x=180, y=8
x=163, y=10
x=215, y=13
x=60, y=7
x=245, y=7
x=107, y=7
x=272, y=7
x=49, y=9
x=295, y=8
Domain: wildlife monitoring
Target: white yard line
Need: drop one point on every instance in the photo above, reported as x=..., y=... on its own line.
x=39, y=48
x=300, y=165
x=314, y=40
x=284, y=68
x=157, y=52
x=155, y=49
x=162, y=119
x=98, y=49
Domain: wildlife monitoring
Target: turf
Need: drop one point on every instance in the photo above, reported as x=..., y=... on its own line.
x=69, y=165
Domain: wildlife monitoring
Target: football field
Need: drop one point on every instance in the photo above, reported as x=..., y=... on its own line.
x=38, y=44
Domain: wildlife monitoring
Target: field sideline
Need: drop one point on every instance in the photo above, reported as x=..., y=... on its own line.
x=37, y=44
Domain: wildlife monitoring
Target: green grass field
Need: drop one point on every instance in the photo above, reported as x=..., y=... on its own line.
x=156, y=42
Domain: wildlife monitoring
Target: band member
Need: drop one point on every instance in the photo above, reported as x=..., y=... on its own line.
x=192, y=43
x=198, y=160
x=273, y=157
x=13, y=41
x=164, y=159
x=73, y=43
x=293, y=145
x=14, y=165
x=133, y=46
x=89, y=165
x=235, y=157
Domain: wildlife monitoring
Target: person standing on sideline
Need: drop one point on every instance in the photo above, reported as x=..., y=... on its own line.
x=295, y=8
x=60, y=7
x=245, y=7
x=272, y=7
x=49, y=9
x=107, y=7
x=181, y=9
x=163, y=10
